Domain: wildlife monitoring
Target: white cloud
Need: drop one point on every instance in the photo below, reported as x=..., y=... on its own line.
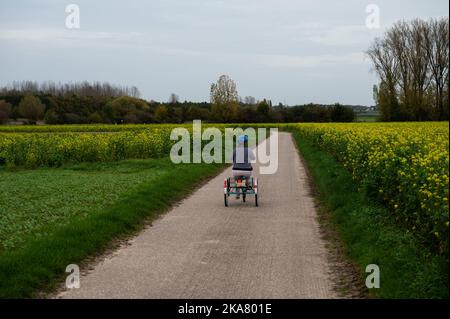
x=292, y=61
x=343, y=35
x=67, y=36
x=333, y=35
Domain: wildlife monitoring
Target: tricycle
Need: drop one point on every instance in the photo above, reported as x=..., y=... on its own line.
x=241, y=186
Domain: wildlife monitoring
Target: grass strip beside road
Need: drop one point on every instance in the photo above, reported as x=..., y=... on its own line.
x=40, y=262
x=39, y=198
x=370, y=235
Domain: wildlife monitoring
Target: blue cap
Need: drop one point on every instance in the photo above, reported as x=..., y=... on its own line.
x=243, y=139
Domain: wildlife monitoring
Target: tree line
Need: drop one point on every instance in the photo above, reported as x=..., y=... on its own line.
x=84, y=88
x=104, y=103
x=412, y=62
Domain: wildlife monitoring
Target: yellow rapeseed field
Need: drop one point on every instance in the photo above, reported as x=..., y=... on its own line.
x=405, y=165
x=54, y=149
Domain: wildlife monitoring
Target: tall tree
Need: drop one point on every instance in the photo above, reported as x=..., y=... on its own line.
x=383, y=58
x=225, y=100
x=5, y=111
x=412, y=61
x=250, y=100
x=224, y=91
x=173, y=99
x=436, y=45
x=31, y=108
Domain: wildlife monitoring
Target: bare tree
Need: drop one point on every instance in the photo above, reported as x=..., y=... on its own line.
x=419, y=66
x=250, y=100
x=386, y=66
x=412, y=61
x=135, y=92
x=436, y=45
x=395, y=44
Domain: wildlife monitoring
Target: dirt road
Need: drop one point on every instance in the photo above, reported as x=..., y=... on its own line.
x=201, y=249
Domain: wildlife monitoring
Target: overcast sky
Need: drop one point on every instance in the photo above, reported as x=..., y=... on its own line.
x=290, y=51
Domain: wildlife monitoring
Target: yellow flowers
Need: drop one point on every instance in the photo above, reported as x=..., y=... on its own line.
x=405, y=165
x=54, y=149
x=49, y=145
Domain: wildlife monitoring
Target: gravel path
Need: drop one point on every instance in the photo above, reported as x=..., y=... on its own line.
x=201, y=249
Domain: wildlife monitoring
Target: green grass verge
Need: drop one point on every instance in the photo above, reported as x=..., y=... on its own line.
x=40, y=261
x=364, y=117
x=370, y=236
x=31, y=199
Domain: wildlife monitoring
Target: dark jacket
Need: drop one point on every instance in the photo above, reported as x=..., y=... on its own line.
x=242, y=157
